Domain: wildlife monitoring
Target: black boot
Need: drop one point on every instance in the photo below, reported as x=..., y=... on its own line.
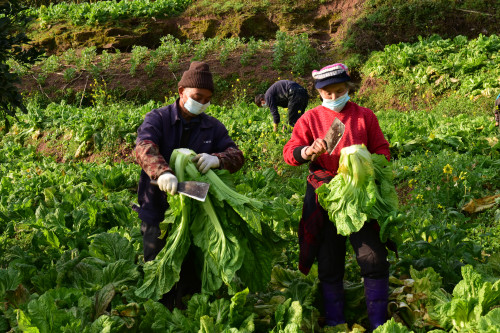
x=333, y=297
x=377, y=295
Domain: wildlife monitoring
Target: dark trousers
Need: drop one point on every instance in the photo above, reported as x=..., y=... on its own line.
x=152, y=245
x=297, y=104
x=189, y=282
x=330, y=250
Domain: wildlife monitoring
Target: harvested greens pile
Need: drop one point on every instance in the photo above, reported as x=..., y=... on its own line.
x=237, y=249
x=362, y=190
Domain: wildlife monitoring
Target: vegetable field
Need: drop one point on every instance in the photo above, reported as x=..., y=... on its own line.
x=72, y=248
x=71, y=257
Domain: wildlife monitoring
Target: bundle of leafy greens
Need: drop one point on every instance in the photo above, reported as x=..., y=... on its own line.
x=233, y=244
x=362, y=190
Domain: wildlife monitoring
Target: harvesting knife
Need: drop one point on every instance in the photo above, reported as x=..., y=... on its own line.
x=192, y=189
x=333, y=136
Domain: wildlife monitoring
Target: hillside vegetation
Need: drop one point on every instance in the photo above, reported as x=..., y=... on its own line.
x=248, y=34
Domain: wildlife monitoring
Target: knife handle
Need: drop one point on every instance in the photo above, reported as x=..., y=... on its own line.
x=314, y=157
x=154, y=182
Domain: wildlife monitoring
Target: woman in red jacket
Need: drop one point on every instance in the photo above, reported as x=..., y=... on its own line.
x=318, y=238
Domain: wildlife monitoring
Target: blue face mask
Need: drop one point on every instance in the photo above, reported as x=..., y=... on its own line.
x=336, y=104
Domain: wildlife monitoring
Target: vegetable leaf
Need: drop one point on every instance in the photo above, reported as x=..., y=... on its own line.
x=362, y=190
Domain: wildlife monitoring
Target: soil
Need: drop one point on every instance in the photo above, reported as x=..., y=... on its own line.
x=54, y=147
x=404, y=193
x=254, y=77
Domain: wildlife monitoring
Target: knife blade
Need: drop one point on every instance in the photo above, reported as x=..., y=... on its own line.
x=332, y=136
x=191, y=188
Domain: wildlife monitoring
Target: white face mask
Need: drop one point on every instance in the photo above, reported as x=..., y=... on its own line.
x=336, y=104
x=195, y=107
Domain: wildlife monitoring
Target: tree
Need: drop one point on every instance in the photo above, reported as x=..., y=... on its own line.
x=12, y=40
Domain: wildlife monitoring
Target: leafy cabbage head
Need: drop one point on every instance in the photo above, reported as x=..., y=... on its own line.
x=355, y=164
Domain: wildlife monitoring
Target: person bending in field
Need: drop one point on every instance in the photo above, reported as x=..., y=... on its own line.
x=183, y=124
x=496, y=110
x=318, y=238
x=287, y=94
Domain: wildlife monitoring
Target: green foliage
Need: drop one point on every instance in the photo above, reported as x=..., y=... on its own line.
x=70, y=57
x=473, y=298
x=407, y=19
x=252, y=47
x=391, y=327
x=87, y=57
x=228, y=46
x=202, y=315
x=288, y=317
x=69, y=74
x=11, y=40
x=280, y=47
x=106, y=59
x=305, y=56
x=86, y=13
x=204, y=46
x=302, y=55
x=138, y=55
x=453, y=66
x=50, y=65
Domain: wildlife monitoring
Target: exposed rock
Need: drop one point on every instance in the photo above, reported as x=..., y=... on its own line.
x=84, y=36
x=123, y=43
x=47, y=43
x=202, y=28
x=114, y=32
x=258, y=26
x=322, y=22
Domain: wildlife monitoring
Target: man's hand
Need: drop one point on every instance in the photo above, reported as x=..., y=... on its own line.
x=317, y=148
x=205, y=162
x=275, y=127
x=167, y=182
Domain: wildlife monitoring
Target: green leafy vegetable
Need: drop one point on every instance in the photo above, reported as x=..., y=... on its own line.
x=9, y=280
x=473, y=298
x=221, y=315
x=362, y=190
x=288, y=317
x=489, y=323
x=227, y=229
x=391, y=327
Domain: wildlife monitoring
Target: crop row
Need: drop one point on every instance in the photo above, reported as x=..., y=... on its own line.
x=465, y=67
x=102, y=11
x=296, y=49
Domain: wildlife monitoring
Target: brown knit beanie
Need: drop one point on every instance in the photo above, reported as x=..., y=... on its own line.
x=197, y=76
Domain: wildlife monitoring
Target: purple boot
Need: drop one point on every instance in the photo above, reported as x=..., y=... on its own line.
x=376, y=294
x=333, y=298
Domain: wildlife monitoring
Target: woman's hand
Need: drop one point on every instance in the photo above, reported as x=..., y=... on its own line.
x=317, y=148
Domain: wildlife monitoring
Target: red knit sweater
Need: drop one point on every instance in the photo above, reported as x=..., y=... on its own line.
x=361, y=126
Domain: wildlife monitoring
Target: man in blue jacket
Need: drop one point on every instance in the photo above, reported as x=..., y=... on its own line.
x=182, y=124
x=287, y=94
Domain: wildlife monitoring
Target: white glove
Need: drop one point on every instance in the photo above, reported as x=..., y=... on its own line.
x=205, y=162
x=167, y=182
